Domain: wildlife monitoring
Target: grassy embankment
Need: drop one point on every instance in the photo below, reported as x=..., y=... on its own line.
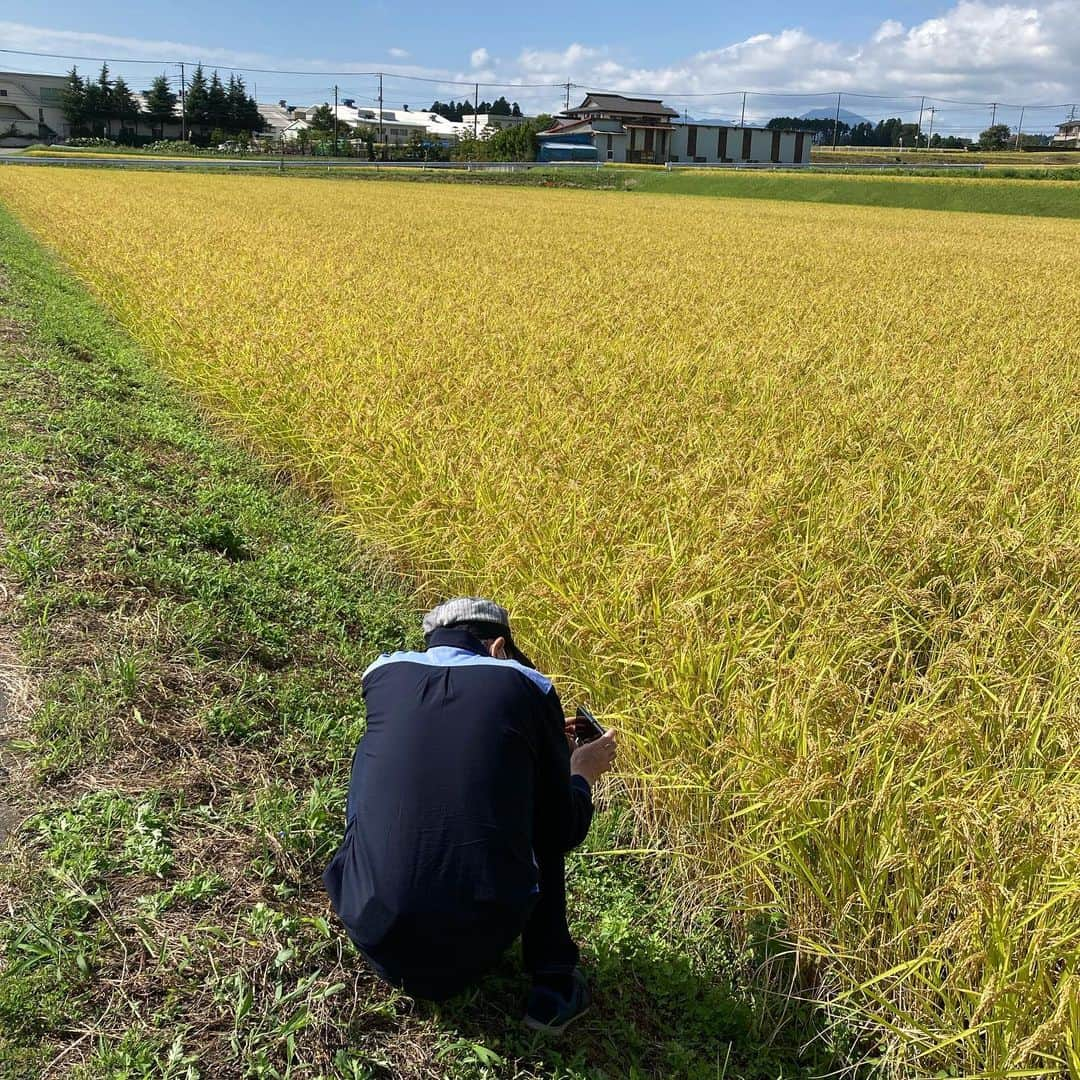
x=1034, y=193
x=195, y=629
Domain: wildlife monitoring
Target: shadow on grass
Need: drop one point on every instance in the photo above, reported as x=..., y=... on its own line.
x=666, y=1002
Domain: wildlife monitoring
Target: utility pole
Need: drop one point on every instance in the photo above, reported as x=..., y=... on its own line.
x=742, y=115
x=836, y=124
x=335, y=120
x=567, y=96
x=993, y=112
x=183, y=105
x=1019, y=128
x=918, y=127
x=382, y=145
x=933, y=109
x=475, y=108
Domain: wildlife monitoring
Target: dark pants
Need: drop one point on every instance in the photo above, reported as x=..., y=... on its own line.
x=446, y=970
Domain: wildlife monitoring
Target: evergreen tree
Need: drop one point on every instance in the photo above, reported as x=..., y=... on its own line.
x=161, y=103
x=196, y=99
x=322, y=118
x=73, y=101
x=252, y=118
x=515, y=109
x=99, y=101
x=124, y=105
x=236, y=104
x=217, y=103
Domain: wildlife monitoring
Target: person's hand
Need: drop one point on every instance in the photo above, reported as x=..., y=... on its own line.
x=570, y=727
x=594, y=758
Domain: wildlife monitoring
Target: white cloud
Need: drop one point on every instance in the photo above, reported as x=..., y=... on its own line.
x=19, y=37
x=479, y=58
x=889, y=30
x=398, y=54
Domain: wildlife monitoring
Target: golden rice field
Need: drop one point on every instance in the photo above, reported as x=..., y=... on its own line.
x=790, y=492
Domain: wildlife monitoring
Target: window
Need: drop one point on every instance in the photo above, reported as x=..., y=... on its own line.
x=51, y=95
x=3, y=93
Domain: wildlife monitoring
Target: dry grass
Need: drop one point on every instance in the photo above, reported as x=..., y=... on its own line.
x=789, y=490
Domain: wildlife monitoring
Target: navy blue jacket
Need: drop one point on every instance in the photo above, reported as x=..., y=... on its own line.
x=463, y=771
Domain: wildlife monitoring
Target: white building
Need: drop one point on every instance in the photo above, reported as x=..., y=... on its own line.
x=30, y=107
x=492, y=121
x=31, y=110
x=1068, y=134
x=392, y=126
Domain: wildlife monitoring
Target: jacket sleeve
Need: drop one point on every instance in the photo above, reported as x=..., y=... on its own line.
x=564, y=808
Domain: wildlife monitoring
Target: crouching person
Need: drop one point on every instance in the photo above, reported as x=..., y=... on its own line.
x=466, y=794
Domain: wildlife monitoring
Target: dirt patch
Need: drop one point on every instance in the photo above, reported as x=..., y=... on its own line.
x=16, y=706
x=11, y=331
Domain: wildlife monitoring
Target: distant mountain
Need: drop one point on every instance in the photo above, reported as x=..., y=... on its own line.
x=846, y=116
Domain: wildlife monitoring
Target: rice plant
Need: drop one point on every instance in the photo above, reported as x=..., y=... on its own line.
x=789, y=492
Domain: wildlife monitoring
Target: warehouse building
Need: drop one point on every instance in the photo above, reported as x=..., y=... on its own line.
x=30, y=108
x=614, y=128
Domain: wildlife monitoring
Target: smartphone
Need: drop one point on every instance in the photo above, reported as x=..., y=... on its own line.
x=586, y=726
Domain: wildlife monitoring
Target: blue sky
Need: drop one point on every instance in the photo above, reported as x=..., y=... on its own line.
x=965, y=51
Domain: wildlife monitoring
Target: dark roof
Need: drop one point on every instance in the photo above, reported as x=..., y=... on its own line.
x=619, y=103
x=583, y=126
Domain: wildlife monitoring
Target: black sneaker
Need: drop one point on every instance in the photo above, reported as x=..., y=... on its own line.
x=550, y=1012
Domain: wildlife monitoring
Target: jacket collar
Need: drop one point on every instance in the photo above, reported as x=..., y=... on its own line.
x=455, y=638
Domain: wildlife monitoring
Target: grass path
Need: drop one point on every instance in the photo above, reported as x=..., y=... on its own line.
x=195, y=629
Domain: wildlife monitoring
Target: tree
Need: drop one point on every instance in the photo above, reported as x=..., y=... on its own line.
x=518, y=143
x=995, y=137
x=236, y=104
x=217, y=103
x=949, y=142
x=161, y=103
x=515, y=109
x=243, y=112
x=822, y=127
x=909, y=134
x=99, y=101
x=322, y=118
x=73, y=101
x=124, y=106
x=862, y=134
x=197, y=99
x=367, y=134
